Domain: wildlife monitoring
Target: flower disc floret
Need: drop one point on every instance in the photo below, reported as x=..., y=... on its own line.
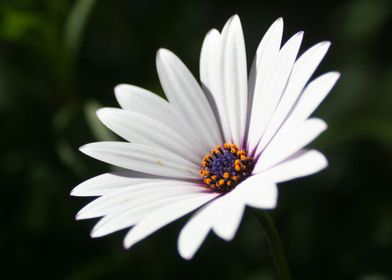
x=225, y=167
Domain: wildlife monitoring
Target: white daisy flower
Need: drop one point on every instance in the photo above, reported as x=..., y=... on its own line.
x=219, y=147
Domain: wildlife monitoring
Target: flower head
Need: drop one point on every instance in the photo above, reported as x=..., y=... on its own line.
x=217, y=147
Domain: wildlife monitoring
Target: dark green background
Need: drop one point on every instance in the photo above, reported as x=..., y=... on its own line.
x=59, y=61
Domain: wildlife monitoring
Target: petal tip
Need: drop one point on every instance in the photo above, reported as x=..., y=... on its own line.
x=95, y=233
x=87, y=149
x=186, y=257
x=324, y=46
x=120, y=92
x=127, y=244
x=162, y=53
x=336, y=75
x=325, y=164
x=299, y=34
x=83, y=148
x=105, y=113
x=323, y=160
x=118, y=89
x=272, y=203
x=324, y=126
x=234, y=24
x=101, y=113
x=234, y=17
x=79, y=216
x=212, y=32
x=185, y=254
x=74, y=192
x=224, y=235
x=278, y=22
x=326, y=43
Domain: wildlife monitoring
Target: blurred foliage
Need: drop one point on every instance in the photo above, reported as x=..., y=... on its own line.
x=59, y=60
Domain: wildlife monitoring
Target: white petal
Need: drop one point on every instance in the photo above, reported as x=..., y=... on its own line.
x=224, y=214
x=145, y=102
x=312, y=96
x=142, y=158
x=288, y=141
x=194, y=232
x=228, y=212
x=270, y=89
x=164, y=216
x=234, y=83
x=135, y=127
x=142, y=101
x=257, y=191
x=211, y=77
x=187, y=98
x=132, y=196
x=209, y=55
x=137, y=212
x=266, y=54
x=301, y=164
x=109, y=182
x=303, y=69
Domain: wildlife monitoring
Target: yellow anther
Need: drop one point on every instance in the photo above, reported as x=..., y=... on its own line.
x=235, y=178
x=240, y=153
x=213, y=177
x=229, y=183
x=207, y=181
x=237, y=165
x=226, y=175
x=242, y=157
x=221, y=182
x=207, y=157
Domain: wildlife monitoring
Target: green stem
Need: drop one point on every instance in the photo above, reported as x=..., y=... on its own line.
x=275, y=244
